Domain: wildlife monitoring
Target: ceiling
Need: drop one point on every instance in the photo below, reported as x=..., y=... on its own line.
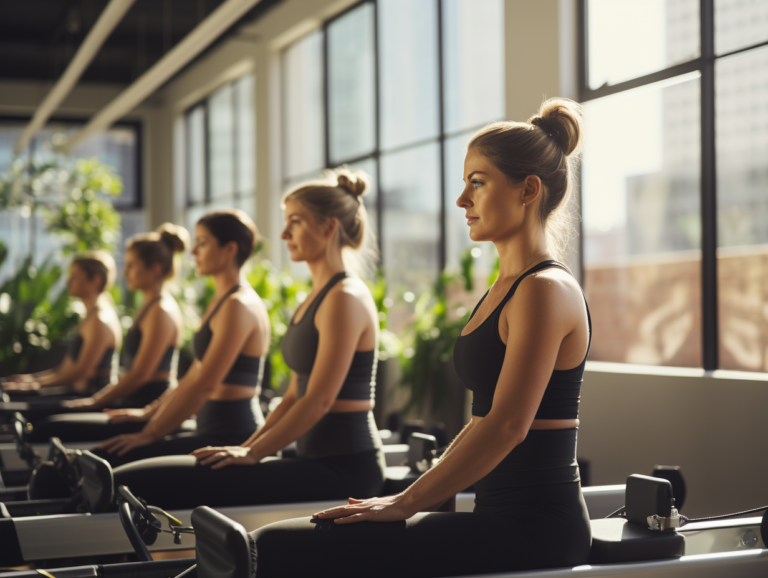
x=38, y=38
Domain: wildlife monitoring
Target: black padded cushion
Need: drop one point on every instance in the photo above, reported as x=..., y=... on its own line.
x=98, y=488
x=646, y=496
x=221, y=545
x=618, y=540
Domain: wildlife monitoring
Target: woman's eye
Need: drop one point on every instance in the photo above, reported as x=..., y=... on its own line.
x=476, y=183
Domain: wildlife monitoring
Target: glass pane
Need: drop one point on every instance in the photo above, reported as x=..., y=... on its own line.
x=456, y=231
x=369, y=199
x=221, y=142
x=411, y=222
x=9, y=134
x=642, y=224
x=352, y=115
x=627, y=38
x=304, y=140
x=742, y=193
x=246, y=135
x=408, y=63
x=196, y=155
x=473, y=56
x=740, y=23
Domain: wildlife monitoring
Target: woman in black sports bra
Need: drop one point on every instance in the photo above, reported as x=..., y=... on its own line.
x=224, y=382
x=148, y=350
x=523, y=354
x=332, y=347
x=87, y=365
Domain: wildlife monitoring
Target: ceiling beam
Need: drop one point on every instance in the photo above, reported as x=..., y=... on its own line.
x=110, y=18
x=219, y=21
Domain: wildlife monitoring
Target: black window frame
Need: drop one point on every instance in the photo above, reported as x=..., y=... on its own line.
x=378, y=151
x=705, y=65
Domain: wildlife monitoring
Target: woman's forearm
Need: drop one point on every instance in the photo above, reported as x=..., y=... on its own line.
x=472, y=456
x=174, y=409
x=297, y=420
x=128, y=384
x=273, y=417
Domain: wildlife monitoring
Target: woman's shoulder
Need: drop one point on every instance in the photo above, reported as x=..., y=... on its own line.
x=551, y=290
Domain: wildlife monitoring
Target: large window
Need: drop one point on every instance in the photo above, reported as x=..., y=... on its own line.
x=24, y=233
x=220, y=149
x=675, y=181
x=396, y=88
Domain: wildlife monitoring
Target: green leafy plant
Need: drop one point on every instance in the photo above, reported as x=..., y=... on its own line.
x=31, y=321
x=430, y=339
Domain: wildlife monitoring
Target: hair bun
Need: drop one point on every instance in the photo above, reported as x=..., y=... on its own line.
x=563, y=120
x=175, y=236
x=354, y=182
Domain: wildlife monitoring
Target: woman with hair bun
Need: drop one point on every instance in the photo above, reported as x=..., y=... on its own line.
x=331, y=345
x=87, y=365
x=223, y=384
x=523, y=354
x=149, y=349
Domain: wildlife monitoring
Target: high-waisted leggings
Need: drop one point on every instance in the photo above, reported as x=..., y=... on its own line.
x=516, y=525
x=219, y=423
x=180, y=482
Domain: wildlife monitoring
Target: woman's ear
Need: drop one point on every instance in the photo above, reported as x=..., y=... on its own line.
x=531, y=189
x=330, y=227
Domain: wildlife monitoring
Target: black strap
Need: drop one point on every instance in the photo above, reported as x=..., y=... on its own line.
x=144, y=311
x=312, y=308
x=224, y=297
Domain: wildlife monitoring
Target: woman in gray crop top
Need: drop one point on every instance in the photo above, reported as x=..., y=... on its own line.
x=149, y=346
x=88, y=364
x=222, y=386
x=519, y=449
x=331, y=345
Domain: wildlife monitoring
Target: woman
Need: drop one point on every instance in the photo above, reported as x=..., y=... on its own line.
x=87, y=365
x=523, y=354
x=224, y=382
x=331, y=345
x=150, y=344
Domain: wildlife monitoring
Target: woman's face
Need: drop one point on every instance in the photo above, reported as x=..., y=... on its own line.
x=492, y=206
x=305, y=239
x=210, y=256
x=137, y=275
x=78, y=284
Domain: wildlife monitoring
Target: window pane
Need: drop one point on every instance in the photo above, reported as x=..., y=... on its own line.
x=304, y=140
x=642, y=224
x=742, y=193
x=196, y=155
x=627, y=38
x=246, y=135
x=740, y=23
x=456, y=230
x=473, y=55
x=351, y=85
x=409, y=71
x=221, y=142
x=411, y=221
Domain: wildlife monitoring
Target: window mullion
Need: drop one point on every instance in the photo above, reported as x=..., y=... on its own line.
x=441, y=128
x=708, y=190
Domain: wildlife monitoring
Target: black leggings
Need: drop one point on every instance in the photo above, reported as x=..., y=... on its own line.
x=550, y=528
x=179, y=482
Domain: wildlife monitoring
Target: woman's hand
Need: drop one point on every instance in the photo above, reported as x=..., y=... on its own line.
x=388, y=509
x=122, y=444
x=222, y=457
x=84, y=402
x=21, y=385
x=126, y=415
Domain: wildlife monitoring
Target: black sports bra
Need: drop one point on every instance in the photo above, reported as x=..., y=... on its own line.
x=133, y=340
x=76, y=345
x=246, y=370
x=479, y=356
x=299, y=349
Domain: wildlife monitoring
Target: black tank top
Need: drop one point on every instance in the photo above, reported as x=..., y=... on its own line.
x=246, y=370
x=479, y=356
x=133, y=341
x=299, y=349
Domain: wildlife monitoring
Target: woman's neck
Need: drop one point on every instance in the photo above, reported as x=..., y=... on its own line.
x=90, y=303
x=225, y=280
x=325, y=267
x=520, y=252
x=152, y=293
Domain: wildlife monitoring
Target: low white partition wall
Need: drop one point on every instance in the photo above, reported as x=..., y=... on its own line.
x=712, y=424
